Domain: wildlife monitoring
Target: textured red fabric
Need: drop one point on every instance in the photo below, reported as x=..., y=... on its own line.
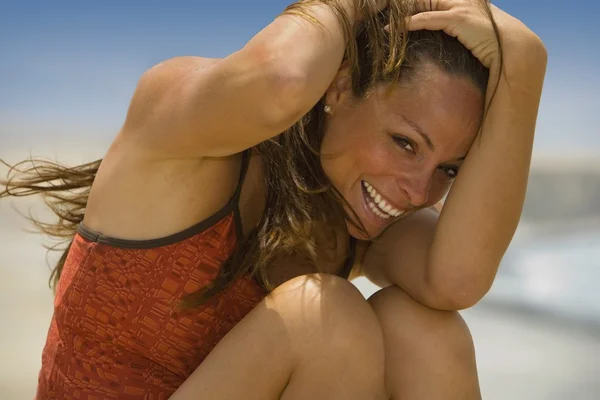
x=115, y=332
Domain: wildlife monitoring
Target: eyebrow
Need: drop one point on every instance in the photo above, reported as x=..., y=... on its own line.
x=458, y=159
x=420, y=131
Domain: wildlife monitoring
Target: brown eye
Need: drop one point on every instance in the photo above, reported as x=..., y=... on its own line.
x=451, y=172
x=404, y=143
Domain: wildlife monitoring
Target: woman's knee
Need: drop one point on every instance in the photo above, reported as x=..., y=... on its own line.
x=337, y=343
x=403, y=318
x=306, y=336
x=326, y=307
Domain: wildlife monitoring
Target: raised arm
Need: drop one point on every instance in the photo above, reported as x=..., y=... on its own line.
x=452, y=265
x=194, y=107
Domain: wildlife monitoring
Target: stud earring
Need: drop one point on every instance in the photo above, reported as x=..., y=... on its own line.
x=327, y=109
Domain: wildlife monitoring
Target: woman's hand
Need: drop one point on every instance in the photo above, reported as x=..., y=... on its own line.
x=469, y=21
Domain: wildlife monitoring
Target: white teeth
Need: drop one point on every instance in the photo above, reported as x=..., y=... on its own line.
x=375, y=209
x=382, y=208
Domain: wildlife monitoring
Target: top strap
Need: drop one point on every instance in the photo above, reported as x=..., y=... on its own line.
x=243, y=170
x=350, y=258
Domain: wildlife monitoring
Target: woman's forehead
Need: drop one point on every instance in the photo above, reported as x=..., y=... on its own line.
x=443, y=107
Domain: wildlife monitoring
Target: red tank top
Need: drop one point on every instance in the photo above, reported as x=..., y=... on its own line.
x=116, y=332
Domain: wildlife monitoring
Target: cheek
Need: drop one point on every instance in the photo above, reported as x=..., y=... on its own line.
x=355, y=160
x=376, y=156
x=347, y=155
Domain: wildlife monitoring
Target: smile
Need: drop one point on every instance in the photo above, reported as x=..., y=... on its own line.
x=378, y=204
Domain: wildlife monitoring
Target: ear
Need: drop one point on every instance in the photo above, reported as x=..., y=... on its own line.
x=340, y=88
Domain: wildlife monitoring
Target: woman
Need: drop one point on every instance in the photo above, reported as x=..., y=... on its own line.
x=246, y=303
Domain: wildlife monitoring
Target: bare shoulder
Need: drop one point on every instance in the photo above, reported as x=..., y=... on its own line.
x=154, y=118
x=195, y=107
x=166, y=72
x=164, y=78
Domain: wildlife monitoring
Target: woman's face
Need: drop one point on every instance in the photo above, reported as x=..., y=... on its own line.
x=397, y=152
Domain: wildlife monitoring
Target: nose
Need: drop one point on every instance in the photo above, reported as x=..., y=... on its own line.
x=417, y=189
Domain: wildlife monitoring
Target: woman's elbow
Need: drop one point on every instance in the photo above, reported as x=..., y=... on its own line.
x=458, y=293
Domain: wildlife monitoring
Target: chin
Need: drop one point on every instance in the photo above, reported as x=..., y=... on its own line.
x=373, y=224
x=357, y=233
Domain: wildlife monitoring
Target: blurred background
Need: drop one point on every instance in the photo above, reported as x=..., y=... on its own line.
x=67, y=73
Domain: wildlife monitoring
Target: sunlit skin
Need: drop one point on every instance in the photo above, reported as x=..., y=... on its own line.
x=377, y=140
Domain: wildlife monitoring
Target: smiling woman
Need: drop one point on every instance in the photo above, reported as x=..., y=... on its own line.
x=420, y=131
x=209, y=250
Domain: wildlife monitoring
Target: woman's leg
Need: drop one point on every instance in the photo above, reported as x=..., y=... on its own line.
x=429, y=354
x=314, y=337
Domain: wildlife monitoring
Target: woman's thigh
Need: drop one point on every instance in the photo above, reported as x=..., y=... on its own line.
x=314, y=337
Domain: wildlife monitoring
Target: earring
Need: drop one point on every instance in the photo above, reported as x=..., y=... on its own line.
x=327, y=109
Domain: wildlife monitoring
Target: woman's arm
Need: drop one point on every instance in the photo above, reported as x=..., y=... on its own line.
x=193, y=107
x=453, y=265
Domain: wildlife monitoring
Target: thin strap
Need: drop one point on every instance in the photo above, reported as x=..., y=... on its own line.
x=236, y=196
x=349, y=263
x=232, y=205
x=243, y=170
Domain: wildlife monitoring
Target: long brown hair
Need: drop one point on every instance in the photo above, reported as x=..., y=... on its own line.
x=300, y=199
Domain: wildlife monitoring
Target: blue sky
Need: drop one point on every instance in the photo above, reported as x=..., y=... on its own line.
x=68, y=68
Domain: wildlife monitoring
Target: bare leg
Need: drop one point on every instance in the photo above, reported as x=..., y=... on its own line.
x=314, y=337
x=429, y=354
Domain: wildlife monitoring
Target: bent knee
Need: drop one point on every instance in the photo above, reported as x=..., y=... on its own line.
x=319, y=287
x=330, y=308
x=401, y=316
